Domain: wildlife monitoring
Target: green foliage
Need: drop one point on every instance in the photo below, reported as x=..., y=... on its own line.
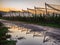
x=4, y=36
x=3, y=31
x=42, y=19
x=1, y=24
x=5, y=42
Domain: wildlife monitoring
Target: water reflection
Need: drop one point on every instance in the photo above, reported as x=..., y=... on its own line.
x=28, y=36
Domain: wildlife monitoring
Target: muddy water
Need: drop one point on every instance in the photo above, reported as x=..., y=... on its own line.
x=26, y=36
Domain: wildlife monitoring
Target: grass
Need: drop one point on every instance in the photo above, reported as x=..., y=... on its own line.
x=3, y=36
x=40, y=23
x=6, y=42
x=52, y=21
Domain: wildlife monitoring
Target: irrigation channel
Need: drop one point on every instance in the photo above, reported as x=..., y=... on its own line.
x=30, y=34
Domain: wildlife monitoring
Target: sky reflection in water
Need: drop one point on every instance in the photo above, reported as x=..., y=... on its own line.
x=26, y=36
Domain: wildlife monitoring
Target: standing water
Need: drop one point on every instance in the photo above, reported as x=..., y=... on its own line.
x=26, y=36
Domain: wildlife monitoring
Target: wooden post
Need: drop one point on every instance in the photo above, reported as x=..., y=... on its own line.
x=23, y=12
x=35, y=10
x=28, y=12
x=19, y=13
x=44, y=37
x=46, y=8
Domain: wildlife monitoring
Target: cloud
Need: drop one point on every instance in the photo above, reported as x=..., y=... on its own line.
x=26, y=3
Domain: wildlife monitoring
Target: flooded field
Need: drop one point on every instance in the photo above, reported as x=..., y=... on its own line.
x=27, y=36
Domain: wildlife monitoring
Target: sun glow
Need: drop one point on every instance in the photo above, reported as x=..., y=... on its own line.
x=8, y=9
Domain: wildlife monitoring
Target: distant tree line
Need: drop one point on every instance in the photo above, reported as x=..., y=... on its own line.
x=49, y=19
x=52, y=19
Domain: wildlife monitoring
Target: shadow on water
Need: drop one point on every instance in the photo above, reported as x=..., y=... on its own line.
x=54, y=36
x=20, y=38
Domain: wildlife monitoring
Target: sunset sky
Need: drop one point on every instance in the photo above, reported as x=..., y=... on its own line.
x=24, y=4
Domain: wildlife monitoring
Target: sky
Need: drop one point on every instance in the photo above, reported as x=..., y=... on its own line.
x=24, y=4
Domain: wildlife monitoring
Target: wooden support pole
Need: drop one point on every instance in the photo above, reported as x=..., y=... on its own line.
x=46, y=8
x=35, y=10
x=28, y=12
